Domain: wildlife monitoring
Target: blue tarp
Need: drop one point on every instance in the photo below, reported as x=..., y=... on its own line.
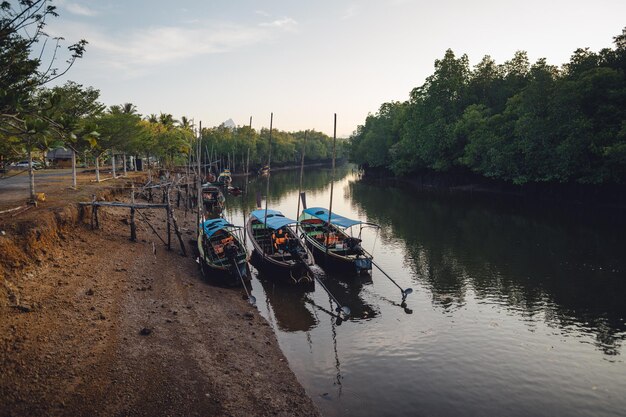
x=337, y=220
x=213, y=225
x=275, y=219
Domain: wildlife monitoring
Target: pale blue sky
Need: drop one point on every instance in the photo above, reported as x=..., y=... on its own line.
x=305, y=60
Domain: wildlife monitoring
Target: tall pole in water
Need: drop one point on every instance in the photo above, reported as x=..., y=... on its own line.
x=301, y=175
x=248, y=160
x=332, y=181
x=269, y=161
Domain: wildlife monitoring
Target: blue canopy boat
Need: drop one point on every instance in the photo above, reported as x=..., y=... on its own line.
x=333, y=248
x=278, y=252
x=212, y=198
x=223, y=257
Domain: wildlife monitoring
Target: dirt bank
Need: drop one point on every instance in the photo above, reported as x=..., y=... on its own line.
x=93, y=324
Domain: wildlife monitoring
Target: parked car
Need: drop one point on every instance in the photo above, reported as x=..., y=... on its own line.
x=24, y=165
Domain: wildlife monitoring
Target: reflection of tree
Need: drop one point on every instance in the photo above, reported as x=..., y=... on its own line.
x=534, y=260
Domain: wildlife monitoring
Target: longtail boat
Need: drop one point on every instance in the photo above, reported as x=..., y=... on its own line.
x=223, y=257
x=278, y=251
x=333, y=248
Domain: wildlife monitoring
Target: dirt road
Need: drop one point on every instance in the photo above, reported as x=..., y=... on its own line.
x=104, y=326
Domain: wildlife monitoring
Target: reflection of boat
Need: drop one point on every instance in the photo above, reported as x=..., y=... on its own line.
x=224, y=178
x=264, y=171
x=331, y=245
x=288, y=305
x=212, y=198
x=223, y=258
x=350, y=292
x=236, y=191
x=278, y=251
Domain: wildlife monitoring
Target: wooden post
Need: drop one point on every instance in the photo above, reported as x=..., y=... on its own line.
x=167, y=215
x=187, y=202
x=176, y=230
x=248, y=163
x=169, y=233
x=93, y=210
x=133, y=226
x=199, y=186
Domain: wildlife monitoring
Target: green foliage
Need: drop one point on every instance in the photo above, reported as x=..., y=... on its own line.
x=517, y=122
x=223, y=142
x=27, y=112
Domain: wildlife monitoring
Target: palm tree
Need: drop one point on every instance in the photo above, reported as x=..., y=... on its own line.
x=167, y=120
x=152, y=118
x=185, y=123
x=129, y=108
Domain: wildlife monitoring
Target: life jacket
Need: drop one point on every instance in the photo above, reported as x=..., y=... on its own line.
x=331, y=239
x=279, y=238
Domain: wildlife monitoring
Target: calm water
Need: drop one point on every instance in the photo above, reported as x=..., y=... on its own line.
x=516, y=311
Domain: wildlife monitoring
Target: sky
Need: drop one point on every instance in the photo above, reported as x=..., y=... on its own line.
x=211, y=60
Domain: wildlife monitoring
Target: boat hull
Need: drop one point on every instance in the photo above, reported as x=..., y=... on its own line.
x=296, y=274
x=225, y=277
x=332, y=262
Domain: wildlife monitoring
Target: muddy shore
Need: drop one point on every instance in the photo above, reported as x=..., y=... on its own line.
x=94, y=324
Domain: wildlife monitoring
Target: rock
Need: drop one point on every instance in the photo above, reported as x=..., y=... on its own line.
x=24, y=308
x=146, y=331
x=248, y=316
x=89, y=292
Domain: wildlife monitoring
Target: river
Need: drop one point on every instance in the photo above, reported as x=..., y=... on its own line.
x=516, y=310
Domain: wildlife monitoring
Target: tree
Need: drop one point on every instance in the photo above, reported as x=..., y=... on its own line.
x=70, y=104
x=117, y=130
x=21, y=28
x=21, y=115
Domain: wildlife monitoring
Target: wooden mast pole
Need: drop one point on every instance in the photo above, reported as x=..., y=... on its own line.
x=301, y=176
x=332, y=182
x=269, y=161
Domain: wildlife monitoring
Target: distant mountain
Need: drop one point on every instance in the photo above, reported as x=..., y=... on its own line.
x=229, y=123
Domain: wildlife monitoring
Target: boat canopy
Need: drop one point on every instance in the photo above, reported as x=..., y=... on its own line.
x=275, y=219
x=213, y=225
x=337, y=220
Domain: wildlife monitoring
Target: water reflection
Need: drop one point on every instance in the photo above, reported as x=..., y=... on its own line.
x=288, y=303
x=561, y=270
x=348, y=292
x=515, y=311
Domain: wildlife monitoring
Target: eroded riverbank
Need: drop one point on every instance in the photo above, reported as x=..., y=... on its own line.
x=97, y=325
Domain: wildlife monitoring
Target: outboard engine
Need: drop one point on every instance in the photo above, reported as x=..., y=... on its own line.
x=354, y=244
